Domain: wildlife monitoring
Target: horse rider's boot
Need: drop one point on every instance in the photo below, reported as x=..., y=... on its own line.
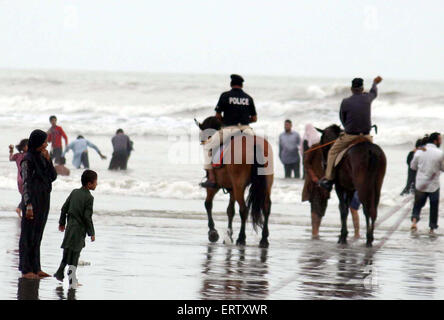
x=326, y=184
x=72, y=277
x=211, y=180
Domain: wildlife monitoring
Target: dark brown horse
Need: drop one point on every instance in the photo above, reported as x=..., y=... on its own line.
x=248, y=161
x=363, y=169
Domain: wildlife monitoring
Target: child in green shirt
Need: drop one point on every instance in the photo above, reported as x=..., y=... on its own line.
x=78, y=208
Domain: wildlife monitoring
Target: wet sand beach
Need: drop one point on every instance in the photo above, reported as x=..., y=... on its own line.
x=165, y=255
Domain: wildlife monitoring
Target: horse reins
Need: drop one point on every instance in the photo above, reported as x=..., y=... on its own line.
x=319, y=147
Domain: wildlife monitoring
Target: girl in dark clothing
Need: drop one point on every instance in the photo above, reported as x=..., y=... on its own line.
x=38, y=173
x=411, y=174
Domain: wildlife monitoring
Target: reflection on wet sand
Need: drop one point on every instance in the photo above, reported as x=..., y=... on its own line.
x=323, y=277
x=238, y=276
x=60, y=292
x=28, y=289
x=421, y=274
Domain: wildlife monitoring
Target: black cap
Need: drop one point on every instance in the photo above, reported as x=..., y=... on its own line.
x=236, y=80
x=357, y=83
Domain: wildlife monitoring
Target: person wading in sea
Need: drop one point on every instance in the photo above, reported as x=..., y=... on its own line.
x=236, y=110
x=355, y=115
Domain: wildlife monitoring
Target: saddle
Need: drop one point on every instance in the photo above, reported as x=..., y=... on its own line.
x=217, y=161
x=358, y=140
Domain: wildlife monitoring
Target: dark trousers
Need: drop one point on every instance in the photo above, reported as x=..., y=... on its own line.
x=292, y=167
x=420, y=201
x=56, y=154
x=84, y=160
x=119, y=160
x=70, y=258
x=32, y=233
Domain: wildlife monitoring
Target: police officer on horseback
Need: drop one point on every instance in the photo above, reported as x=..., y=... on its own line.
x=355, y=115
x=236, y=111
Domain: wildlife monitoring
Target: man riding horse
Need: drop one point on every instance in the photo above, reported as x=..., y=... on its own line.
x=238, y=112
x=355, y=115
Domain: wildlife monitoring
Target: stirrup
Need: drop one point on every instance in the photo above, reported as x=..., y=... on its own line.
x=208, y=184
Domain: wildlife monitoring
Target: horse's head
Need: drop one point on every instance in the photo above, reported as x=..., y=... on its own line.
x=208, y=128
x=327, y=135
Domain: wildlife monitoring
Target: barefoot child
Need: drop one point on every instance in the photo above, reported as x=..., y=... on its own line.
x=79, y=209
x=22, y=148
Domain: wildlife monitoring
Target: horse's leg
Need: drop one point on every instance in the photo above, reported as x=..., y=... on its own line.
x=243, y=210
x=344, y=202
x=266, y=210
x=213, y=236
x=230, y=213
x=370, y=217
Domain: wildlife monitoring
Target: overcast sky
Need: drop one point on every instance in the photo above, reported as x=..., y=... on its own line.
x=397, y=39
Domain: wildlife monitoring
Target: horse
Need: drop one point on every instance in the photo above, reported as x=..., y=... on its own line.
x=363, y=169
x=248, y=161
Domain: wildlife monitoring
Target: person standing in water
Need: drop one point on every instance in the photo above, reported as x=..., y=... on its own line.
x=236, y=110
x=122, y=148
x=22, y=148
x=355, y=115
x=80, y=149
x=289, y=145
x=312, y=192
x=38, y=174
x=355, y=204
x=411, y=174
x=78, y=210
x=55, y=134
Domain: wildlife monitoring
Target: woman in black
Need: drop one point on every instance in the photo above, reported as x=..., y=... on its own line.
x=411, y=174
x=38, y=173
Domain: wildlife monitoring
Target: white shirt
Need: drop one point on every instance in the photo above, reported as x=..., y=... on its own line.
x=428, y=165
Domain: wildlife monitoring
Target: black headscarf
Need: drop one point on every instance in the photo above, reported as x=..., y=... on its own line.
x=43, y=169
x=36, y=139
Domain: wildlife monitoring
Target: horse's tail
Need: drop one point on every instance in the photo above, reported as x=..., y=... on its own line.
x=375, y=164
x=257, y=194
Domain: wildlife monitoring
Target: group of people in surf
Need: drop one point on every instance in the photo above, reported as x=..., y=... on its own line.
x=344, y=157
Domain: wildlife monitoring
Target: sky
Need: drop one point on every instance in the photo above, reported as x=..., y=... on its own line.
x=397, y=39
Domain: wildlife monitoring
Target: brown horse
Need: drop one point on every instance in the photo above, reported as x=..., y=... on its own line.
x=248, y=161
x=363, y=169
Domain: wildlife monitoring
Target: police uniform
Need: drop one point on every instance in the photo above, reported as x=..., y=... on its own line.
x=237, y=108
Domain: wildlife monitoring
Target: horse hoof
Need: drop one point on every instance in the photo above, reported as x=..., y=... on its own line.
x=264, y=244
x=213, y=236
x=342, y=241
x=240, y=242
x=369, y=245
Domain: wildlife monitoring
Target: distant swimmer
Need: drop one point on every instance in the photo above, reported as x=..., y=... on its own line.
x=80, y=149
x=355, y=115
x=122, y=147
x=236, y=110
x=60, y=167
x=55, y=134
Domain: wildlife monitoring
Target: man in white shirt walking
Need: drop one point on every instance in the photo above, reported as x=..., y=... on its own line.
x=428, y=164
